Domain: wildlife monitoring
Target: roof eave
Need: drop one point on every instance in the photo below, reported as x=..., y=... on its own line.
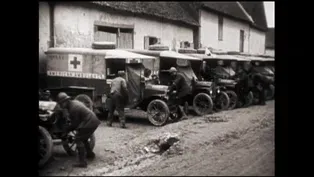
x=196, y=24
x=263, y=29
x=224, y=14
x=270, y=47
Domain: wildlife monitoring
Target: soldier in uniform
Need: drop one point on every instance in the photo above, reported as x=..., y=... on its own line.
x=243, y=81
x=260, y=84
x=84, y=121
x=119, y=97
x=249, y=79
x=183, y=89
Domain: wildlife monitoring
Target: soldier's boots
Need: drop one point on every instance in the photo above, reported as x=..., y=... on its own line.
x=122, y=124
x=81, y=157
x=109, y=124
x=262, y=98
x=122, y=121
x=183, y=115
x=90, y=155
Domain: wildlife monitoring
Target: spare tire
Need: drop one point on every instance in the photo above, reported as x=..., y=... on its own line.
x=186, y=50
x=86, y=100
x=103, y=45
x=158, y=47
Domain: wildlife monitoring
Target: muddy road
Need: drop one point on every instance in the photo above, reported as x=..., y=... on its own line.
x=236, y=142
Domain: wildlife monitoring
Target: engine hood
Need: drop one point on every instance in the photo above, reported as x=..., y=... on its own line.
x=227, y=81
x=47, y=105
x=203, y=83
x=159, y=88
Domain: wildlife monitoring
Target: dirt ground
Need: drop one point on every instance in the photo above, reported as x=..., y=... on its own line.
x=236, y=142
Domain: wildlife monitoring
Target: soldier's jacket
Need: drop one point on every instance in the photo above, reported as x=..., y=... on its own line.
x=119, y=86
x=81, y=117
x=244, y=77
x=181, y=86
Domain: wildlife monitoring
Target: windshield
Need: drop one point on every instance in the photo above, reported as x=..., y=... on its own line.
x=188, y=73
x=225, y=71
x=264, y=70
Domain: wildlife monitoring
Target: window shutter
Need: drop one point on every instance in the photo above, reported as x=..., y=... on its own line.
x=182, y=44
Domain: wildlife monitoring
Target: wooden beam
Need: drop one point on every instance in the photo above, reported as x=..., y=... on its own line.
x=100, y=23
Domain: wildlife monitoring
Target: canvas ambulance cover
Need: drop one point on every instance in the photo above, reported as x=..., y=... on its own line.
x=76, y=66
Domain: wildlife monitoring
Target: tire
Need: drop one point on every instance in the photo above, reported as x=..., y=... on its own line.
x=255, y=97
x=224, y=104
x=45, y=144
x=158, y=47
x=233, y=97
x=270, y=92
x=208, y=108
x=249, y=99
x=86, y=100
x=68, y=142
x=186, y=108
x=158, y=107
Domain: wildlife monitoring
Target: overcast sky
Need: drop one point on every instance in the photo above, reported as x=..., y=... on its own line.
x=270, y=13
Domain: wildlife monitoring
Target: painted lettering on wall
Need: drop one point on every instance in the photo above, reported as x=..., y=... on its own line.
x=76, y=75
x=57, y=57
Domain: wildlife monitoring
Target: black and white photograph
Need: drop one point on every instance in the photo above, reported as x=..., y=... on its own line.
x=156, y=88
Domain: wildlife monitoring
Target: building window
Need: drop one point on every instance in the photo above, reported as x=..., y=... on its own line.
x=186, y=44
x=241, y=41
x=122, y=35
x=150, y=40
x=220, y=28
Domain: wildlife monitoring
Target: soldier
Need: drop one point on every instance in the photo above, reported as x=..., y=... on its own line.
x=84, y=121
x=182, y=88
x=243, y=81
x=260, y=84
x=118, y=96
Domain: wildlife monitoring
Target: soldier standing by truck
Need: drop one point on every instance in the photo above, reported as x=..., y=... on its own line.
x=260, y=83
x=249, y=79
x=119, y=97
x=84, y=121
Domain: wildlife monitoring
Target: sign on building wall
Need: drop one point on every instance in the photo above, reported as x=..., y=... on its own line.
x=76, y=66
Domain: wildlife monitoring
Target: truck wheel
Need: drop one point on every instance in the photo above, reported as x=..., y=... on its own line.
x=255, y=97
x=186, y=108
x=158, y=112
x=202, y=104
x=222, y=101
x=270, y=92
x=233, y=97
x=249, y=98
x=45, y=146
x=86, y=100
x=69, y=144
